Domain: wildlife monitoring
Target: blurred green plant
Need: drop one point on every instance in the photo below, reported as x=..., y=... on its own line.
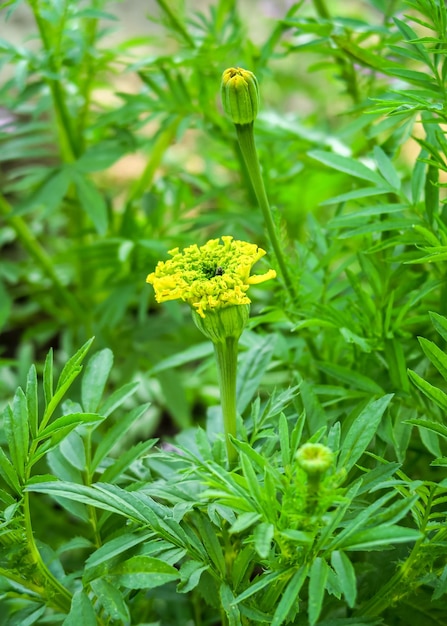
x=351, y=144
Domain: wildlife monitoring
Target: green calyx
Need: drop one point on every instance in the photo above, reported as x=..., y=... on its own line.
x=240, y=95
x=224, y=323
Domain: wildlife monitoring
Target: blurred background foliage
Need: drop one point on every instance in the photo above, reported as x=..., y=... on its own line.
x=114, y=150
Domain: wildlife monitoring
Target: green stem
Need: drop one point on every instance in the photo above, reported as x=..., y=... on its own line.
x=246, y=140
x=226, y=357
x=56, y=594
x=30, y=243
x=67, y=140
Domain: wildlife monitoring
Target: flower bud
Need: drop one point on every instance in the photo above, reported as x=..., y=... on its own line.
x=223, y=323
x=240, y=95
x=314, y=458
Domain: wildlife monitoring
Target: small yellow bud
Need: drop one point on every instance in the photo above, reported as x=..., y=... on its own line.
x=240, y=95
x=314, y=458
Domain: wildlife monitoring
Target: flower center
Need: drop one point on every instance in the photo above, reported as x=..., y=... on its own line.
x=211, y=270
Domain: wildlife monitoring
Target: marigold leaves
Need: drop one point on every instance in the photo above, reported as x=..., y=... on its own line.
x=116, y=432
x=32, y=400
x=8, y=472
x=289, y=599
x=433, y=393
x=17, y=432
x=144, y=572
x=111, y=600
x=346, y=576
x=95, y=378
x=251, y=370
x=347, y=165
x=317, y=584
x=361, y=432
x=380, y=538
x=263, y=537
x=436, y=356
x=81, y=612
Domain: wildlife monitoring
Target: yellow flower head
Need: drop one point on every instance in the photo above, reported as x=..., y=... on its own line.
x=209, y=277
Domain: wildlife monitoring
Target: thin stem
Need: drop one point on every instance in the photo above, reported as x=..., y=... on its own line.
x=226, y=356
x=30, y=243
x=67, y=141
x=246, y=140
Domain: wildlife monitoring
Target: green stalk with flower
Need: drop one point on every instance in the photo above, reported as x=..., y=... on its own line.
x=240, y=100
x=214, y=279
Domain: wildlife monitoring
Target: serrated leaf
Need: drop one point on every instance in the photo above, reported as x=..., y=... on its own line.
x=17, y=432
x=190, y=573
x=48, y=378
x=117, y=398
x=92, y=201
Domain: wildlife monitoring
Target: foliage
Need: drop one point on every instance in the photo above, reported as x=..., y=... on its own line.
x=117, y=501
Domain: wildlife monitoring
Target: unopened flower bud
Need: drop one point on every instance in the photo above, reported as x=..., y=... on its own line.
x=314, y=458
x=240, y=95
x=223, y=323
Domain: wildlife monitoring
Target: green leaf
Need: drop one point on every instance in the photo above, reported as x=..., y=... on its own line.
x=284, y=439
x=244, y=521
x=262, y=582
x=263, y=537
x=117, y=398
x=32, y=400
x=317, y=584
x=144, y=572
x=95, y=378
x=436, y=427
x=48, y=378
x=440, y=324
x=361, y=432
x=72, y=366
x=380, y=537
x=436, y=356
x=68, y=423
x=92, y=202
x=81, y=611
x=346, y=576
x=433, y=393
x=230, y=608
x=111, y=600
x=8, y=473
x=290, y=597
x=347, y=165
x=251, y=369
x=386, y=168
x=17, y=432
x=350, y=377
x=190, y=573
x=126, y=459
x=116, y=433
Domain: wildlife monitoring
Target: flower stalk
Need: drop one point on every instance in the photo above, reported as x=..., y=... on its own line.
x=214, y=280
x=240, y=100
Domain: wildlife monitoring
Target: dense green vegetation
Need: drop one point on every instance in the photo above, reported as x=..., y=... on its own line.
x=140, y=482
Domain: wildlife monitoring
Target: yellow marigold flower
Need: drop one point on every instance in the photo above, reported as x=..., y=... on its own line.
x=210, y=277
